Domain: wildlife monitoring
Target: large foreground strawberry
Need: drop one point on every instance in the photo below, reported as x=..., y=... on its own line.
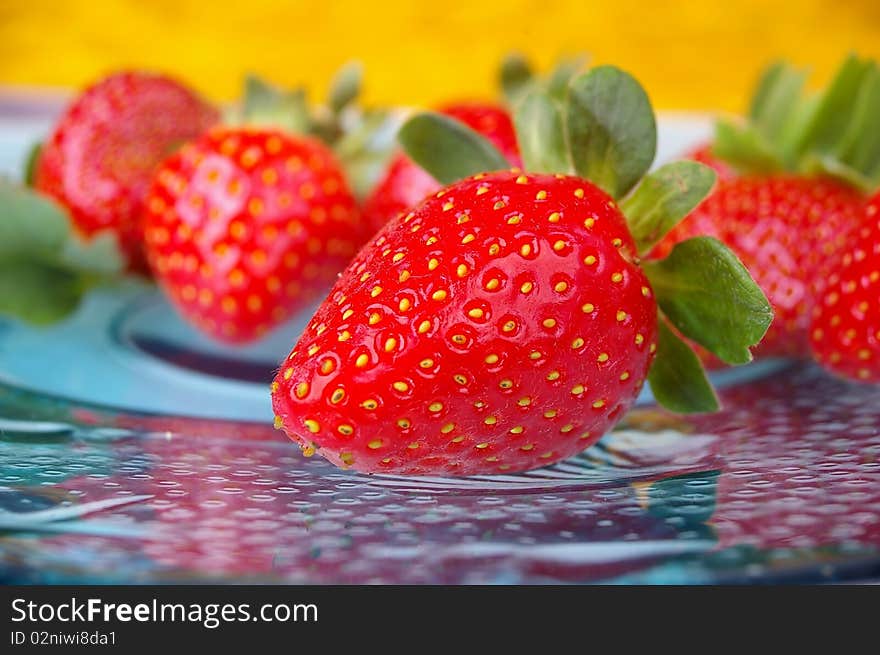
x=505, y=322
x=405, y=183
x=845, y=329
x=102, y=153
x=803, y=164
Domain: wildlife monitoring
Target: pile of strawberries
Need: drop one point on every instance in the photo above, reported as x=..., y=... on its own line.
x=508, y=283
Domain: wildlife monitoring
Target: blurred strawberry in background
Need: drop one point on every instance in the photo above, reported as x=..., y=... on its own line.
x=246, y=225
x=251, y=222
x=845, y=329
x=405, y=183
x=103, y=151
x=793, y=185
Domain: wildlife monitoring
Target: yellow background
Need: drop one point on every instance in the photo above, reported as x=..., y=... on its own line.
x=688, y=54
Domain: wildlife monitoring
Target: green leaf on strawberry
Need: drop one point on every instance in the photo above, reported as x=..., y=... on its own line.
x=860, y=145
x=830, y=116
x=541, y=131
x=37, y=293
x=677, y=378
x=744, y=148
x=515, y=76
x=45, y=267
x=563, y=72
x=448, y=149
x=708, y=294
x=832, y=132
x=346, y=86
x=32, y=225
x=99, y=256
x=265, y=104
x=611, y=129
x=365, y=150
x=776, y=99
x=663, y=198
x=30, y=164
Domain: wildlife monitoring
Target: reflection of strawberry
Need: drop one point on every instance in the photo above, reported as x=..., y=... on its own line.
x=101, y=156
x=797, y=470
x=246, y=226
x=796, y=456
x=230, y=509
x=405, y=184
x=845, y=332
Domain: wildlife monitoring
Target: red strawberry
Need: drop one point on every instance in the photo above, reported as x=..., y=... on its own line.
x=802, y=189
x=466, y=329
x=505, y=322
x=786, y=230
x=103, y=152
x=246, y=225
x=845, y=332
x=405, y=183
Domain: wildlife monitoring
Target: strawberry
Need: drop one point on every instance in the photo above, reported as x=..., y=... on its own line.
x=246, y=225
x=250, y=223
x=845, y=328
x=786, y=230
x=101, y=155
x=797, y=189
x=505, y=322
x=464, y=328
x=405, y=183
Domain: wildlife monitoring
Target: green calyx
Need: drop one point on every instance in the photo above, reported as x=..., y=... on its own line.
x=265, y=104
x=602, y=128
x=517, y=77
x=450, y=150
x=835, y=131
x=46, y=269
x=29, y=173
x=362, y=138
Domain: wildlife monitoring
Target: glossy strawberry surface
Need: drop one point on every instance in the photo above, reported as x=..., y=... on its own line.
x=845, y=332
x=245, y=226
x=500, y=326
x=101, y=156
x=405, y=183
x=787, y=231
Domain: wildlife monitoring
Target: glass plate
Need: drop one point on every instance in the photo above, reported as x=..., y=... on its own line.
x=125, y=402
